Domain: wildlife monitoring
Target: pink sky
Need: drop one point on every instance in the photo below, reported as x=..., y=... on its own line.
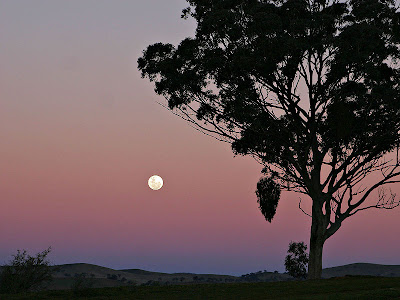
x=81, y=133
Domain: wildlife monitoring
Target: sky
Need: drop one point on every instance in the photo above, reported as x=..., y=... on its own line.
x=81, y=132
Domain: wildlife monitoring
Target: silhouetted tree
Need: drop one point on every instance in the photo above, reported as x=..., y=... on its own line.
x=25, y=273
x=297, y=259
x=309, y=88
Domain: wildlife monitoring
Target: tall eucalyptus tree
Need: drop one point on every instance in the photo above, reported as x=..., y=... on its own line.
x=310, y=88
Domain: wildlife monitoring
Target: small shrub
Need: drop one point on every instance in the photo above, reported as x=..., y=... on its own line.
x=151, y=283
x=81, y=285
x=297, y=260
x=112, y=276
x=25, y=273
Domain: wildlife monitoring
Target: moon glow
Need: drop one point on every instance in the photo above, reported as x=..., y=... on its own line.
x=155, y=182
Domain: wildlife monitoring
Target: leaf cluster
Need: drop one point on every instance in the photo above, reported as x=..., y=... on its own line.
x=268, y=194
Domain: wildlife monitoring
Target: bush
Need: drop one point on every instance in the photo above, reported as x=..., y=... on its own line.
x=254, y=276
x=297, y=260
x=151, y=283
x=82, y=284
x=25, y=273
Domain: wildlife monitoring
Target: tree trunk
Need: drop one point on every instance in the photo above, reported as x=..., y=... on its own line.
x=317, y=241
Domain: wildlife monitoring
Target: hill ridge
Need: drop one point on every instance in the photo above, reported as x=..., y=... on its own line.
x=65, y=275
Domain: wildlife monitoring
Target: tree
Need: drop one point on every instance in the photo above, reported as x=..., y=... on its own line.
x=297, y=259
x=25, y=273
x=309, y=88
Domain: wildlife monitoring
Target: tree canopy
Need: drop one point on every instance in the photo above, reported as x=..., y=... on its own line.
x=310, y=88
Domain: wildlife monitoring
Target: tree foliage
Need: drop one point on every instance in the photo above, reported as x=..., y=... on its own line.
x=297, y=259
x=268, y=194
x=25, y=273
x=309, y=88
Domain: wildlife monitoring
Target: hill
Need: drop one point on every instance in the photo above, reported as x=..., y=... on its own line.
x=97, y=276
x=362, y=269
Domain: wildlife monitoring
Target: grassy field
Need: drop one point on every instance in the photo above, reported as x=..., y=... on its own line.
x=334, y=288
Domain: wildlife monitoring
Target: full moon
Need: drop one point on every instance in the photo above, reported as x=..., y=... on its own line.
x=155, y=182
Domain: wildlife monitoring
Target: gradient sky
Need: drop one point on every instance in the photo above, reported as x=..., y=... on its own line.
x=81, y=133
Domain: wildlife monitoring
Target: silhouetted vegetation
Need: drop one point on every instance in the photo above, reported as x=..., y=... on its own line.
x=297, y=259
x=263, y=276
x=308, y=88
x=25, y=273
x=112, y=276
x=254, y=277
x=82, y=284
x=151, y=283
x=336, y=288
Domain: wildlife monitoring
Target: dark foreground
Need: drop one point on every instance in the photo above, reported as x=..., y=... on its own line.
x=334, y=288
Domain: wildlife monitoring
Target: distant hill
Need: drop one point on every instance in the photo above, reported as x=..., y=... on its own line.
x=65, y=275
x=140, y=277
x=70, y=270
x=142, y=272
x=362, y=269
